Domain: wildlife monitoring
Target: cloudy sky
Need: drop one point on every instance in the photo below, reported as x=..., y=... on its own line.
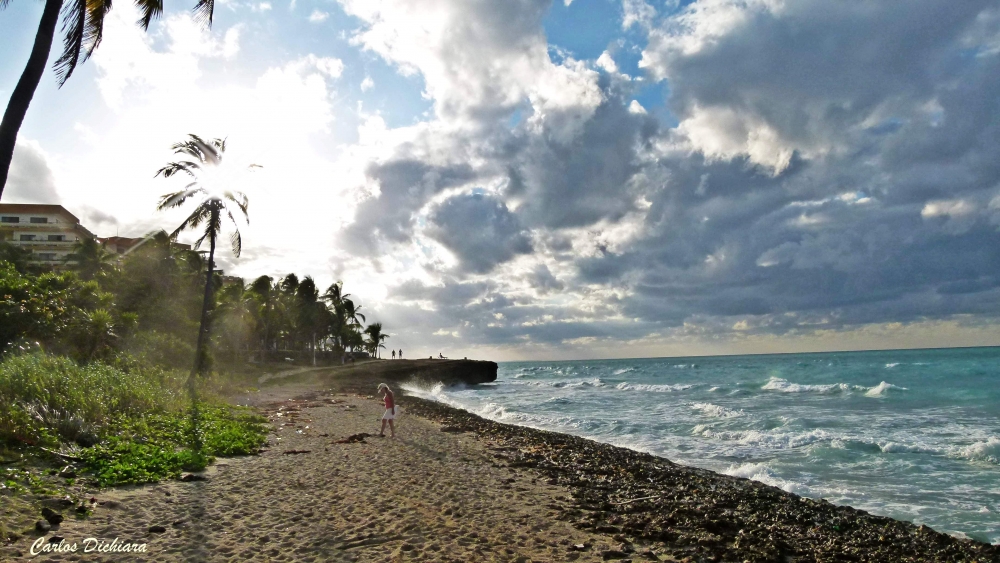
x=568, y=179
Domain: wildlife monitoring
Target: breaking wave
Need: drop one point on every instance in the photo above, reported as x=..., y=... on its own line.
x=716, y=411
x=785, y=386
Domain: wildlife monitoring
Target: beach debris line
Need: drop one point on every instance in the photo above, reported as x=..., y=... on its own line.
x=296, y=452
x=695, y=514
x=355, y=439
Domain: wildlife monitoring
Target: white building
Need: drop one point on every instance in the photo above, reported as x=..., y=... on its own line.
x=48, y=231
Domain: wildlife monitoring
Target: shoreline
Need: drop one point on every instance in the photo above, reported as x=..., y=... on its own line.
x=454, y=486
x=700, y=513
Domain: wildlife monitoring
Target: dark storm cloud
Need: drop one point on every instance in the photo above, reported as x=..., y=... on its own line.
x=30, y=179
x=405, y=184
x=480, y=230
x=835, y=165
x=579, y=183
x=908, y=106
x=541, y=279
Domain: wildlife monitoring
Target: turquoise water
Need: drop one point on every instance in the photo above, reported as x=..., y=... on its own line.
x=911, y=434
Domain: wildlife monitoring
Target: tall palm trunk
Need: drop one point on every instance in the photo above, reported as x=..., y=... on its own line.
x=201, y=352
x=17, y=107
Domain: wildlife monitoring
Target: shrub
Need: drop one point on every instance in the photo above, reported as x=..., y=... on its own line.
x=45, y=398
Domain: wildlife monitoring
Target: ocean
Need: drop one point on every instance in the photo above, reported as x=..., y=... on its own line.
x=910, y=434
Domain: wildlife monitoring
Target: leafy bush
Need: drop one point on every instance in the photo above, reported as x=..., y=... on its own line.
x=45, y=399
x=61, y=312
x=162, y=445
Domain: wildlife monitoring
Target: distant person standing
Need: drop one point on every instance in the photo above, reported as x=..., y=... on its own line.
x=390, y=409
x=400, y=353
x=394, y=353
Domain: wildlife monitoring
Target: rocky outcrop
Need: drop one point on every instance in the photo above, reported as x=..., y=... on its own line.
x=366, y=376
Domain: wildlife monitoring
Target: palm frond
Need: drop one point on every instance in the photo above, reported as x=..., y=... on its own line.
x=74, y=24
x=94, y=32
x=149, y=9
x=235, y=237
x=83, y=28
x=172, y=168
x=206, y=152
x=193, y=221
x=177, y=198
x=3, y=4
x=237, y=242
x=204, y=10
x=241, y=200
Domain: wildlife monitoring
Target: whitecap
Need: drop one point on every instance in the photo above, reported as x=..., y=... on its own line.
x=713, y=389
x=881, y=389
x=987, y=450
x=594, y=382
x=892, y=365
x=763, y=473
x=716, y=411
x=785, y=386
x=898, y=448
x=770, y=439
x=623, y=370
x=626, y=386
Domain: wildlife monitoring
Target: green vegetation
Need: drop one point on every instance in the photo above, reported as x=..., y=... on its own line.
x=48, y=400
x=96, y=357
x=157, y=446
x=125, y=423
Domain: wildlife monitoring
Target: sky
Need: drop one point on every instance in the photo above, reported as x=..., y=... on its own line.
x=530, y=179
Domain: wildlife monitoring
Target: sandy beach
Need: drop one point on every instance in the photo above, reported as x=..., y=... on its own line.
x=426, y=495
x=455, y=487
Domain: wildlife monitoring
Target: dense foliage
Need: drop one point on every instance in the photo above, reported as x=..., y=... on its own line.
x=93, y=357
x=147, y=304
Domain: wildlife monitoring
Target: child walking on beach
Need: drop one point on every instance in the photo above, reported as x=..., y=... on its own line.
x=390, y=409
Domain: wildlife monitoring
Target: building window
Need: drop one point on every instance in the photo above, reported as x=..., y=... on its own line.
x=6, y=219
x=27, y=237
x=46, y=256
x=39, y=219
x=57, y=238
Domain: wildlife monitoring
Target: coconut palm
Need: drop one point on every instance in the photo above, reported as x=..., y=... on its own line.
x=205, y=156
x=353, y=313
x=335, y=293
x=375, y=338
x=83, y=28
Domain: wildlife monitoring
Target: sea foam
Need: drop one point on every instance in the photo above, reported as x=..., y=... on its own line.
x=716, y=411
x=785, y=386
x=986, y=450
x=626, y=386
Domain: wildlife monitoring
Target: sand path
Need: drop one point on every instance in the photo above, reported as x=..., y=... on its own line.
x=427, y=495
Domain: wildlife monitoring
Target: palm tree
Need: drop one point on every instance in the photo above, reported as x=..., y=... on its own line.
x=83, y=27
x=375, y=338
x=353, y=313
x=90, y=258
x=204, y=157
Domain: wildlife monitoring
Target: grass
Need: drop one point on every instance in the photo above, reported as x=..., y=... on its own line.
x=46, y=400
x=128, y=423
